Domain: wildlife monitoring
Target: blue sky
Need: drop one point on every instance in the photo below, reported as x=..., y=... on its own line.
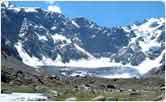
x=108, y=13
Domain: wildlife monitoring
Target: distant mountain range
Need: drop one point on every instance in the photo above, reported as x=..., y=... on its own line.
x=43, y=38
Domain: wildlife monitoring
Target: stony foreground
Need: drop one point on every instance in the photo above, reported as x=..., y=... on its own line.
x=88, y=88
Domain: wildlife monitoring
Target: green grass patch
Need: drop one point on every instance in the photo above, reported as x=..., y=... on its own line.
x=21, y=89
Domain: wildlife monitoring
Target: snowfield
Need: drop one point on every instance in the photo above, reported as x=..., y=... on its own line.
x=22, y=97
x=144, y=67
x=125, y=75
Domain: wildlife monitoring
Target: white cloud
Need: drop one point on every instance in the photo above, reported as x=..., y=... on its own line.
x=54, y=8
x=51, y=1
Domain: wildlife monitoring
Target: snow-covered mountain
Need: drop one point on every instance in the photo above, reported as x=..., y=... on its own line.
x=146, y=47
x=44, y=38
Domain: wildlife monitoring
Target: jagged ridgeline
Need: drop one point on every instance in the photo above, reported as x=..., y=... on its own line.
x=40, y=37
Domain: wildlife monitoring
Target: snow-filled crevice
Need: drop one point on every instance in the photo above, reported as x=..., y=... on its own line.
x=84, y=51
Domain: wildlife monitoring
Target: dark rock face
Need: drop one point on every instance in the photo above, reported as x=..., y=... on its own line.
x=100, y=40
x=131, y=55
x=154, y=52
x=29, y=27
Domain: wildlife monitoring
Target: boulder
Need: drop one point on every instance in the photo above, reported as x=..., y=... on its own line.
x=111, y=86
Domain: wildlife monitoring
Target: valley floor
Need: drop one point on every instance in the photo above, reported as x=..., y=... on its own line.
x=91, y=88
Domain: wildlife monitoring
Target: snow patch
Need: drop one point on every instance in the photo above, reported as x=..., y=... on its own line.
x=33, y=61
x=21, y=35
x=22, y=97
x=93, y=36
x=15, y=9
x=79, y=73
x=30, y=9
x=92, y=25
x=53, y=28
x=49, y=61
x=126, y=29
x=28, y=60
x=41, y=37
x=147, y=45
x=124, y=75
x=74, y=23
x=60, y=37
x=89, y=63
